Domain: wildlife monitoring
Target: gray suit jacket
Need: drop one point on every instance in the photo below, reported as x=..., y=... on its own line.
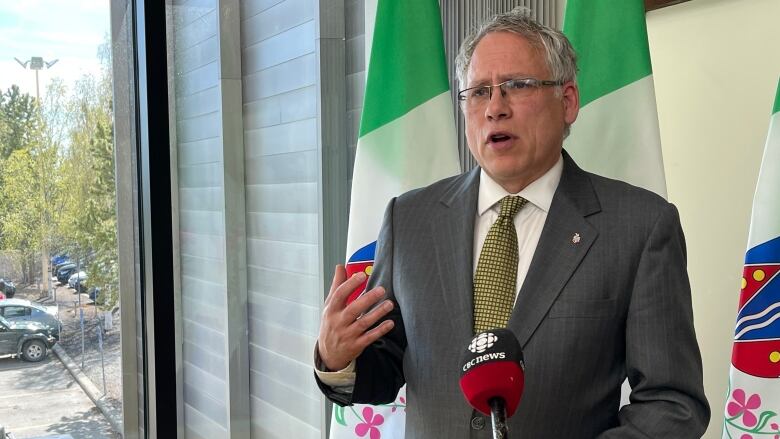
x=615, y=304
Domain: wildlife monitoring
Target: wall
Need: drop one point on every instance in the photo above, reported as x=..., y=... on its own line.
x=280, y=73
x=206, y=108
x=354, y=22
x=716, y=70
x=252, y=139
x=198, y=131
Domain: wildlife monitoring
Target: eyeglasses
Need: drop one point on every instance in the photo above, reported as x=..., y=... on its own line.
x=516, y=89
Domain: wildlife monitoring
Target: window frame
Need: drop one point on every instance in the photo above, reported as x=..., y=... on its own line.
x=151, y=391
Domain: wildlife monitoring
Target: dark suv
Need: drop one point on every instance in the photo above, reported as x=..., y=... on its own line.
x=30, y=340
x=7, y=287
x=64, y=272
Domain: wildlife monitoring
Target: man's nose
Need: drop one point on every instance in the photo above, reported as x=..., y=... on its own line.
x=498, y=105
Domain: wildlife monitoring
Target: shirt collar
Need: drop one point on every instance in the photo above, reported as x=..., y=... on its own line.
x=539, y=193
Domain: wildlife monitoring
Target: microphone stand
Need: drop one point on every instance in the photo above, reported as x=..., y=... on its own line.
x=498, y=418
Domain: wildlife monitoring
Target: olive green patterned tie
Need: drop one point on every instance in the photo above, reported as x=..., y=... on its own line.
x=496, y=277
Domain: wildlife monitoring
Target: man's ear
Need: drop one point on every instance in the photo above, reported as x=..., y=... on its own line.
x=571, y=102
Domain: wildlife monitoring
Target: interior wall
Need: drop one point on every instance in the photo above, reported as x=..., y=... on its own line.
x=196, y=100
x=716, y=70
x=280, y=84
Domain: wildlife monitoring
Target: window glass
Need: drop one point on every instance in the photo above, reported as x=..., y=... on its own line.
x=58, y=206
x=15, y=311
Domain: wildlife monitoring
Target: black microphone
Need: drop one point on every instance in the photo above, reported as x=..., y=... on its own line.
x=492, y=376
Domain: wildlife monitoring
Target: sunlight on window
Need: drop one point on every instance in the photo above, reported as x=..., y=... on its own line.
x=60, y=357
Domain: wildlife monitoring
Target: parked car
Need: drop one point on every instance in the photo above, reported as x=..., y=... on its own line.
x=58, y=259
x=7, y=288
x=55, y=268
x=75, y=278
x=29, y=340
x=66, y=264
x=20, y=310
x=64, y=272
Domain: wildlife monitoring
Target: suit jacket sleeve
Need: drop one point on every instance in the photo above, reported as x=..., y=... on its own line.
x=379, y=369
x=663, y=363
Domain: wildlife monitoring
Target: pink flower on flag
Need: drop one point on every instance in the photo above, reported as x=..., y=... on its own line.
x=746, y=436
x=402, y=403
x=741, y=407
x=369, y=424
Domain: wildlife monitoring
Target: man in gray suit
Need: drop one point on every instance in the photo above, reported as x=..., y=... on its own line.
x=601, y=291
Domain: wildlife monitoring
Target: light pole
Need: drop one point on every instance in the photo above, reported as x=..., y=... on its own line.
x=36, y=63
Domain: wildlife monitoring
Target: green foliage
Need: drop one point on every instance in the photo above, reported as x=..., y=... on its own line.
x=20, y=124
x=57, y=187
x=88, y=194
x=23, y=155
x=20, y=217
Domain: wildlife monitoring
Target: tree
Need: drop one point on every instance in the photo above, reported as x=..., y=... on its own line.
x=57, y=176
x=21, y=219
x=21, y=122
x=88, y=186
x=24, y=155
x=101, y=215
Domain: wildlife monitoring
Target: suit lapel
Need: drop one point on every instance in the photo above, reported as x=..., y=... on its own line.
x=566, y=238
x=453, y=232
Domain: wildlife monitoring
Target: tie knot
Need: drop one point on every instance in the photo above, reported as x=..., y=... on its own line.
x=510, y=205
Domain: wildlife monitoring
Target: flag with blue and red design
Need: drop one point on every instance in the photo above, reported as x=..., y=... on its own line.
x=757, y=336
x=361, y=260
x=754, y=383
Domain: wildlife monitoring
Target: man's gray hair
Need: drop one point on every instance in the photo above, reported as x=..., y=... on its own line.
x=556, y=48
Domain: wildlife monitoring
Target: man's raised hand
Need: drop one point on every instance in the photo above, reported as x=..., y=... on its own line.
x=345, y=330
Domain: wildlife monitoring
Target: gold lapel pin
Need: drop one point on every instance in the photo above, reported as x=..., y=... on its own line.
x=576, y=238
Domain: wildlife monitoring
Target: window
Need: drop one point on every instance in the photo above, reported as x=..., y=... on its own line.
x=11, y=312
x=63, y=134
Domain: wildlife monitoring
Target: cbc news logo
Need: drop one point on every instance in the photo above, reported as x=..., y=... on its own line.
x=482, y=342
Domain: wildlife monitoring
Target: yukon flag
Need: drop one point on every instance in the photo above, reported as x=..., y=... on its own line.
x=407, y=140
x=753, y=400
x=616, y=133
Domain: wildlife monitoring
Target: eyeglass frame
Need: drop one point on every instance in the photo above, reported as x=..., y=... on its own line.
x=537, y=84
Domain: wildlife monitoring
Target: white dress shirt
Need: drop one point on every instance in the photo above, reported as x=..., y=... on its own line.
x=529, y=223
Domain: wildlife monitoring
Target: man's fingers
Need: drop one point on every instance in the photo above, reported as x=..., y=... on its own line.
x=363, y=304
x=339, y=292
x=368, y=320
x=352, y=348
x=339, y=276
x=375, y=334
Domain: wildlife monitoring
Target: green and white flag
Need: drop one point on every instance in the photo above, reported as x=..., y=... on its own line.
x=616, y=133
x=407, y=139
x=753, y=400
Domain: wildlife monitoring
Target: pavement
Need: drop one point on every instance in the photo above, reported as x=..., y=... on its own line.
x=71, y=355
x=111, y=414
x=43, y=399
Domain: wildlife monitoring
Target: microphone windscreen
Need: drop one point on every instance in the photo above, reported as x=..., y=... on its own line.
x=492, y=366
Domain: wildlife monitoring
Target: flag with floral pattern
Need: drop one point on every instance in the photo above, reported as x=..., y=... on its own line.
x=753, y=401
